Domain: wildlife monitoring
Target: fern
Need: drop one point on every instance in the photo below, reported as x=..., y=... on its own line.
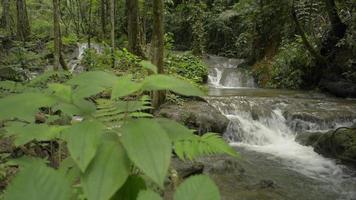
x=111, y=112
x=208, y=144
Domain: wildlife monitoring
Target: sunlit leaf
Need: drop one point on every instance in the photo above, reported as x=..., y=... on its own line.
x=124, y=86
x=40, y=132
x=148, y=195
x=107, y=173
x=26, y=105
x=38, y=182
x=198, y=188
x=165, y=82
x=148, y=146
x=83, y=140
x=148, y=65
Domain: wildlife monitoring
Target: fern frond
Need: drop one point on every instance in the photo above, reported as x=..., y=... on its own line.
x=111, y=112
x=208, y=144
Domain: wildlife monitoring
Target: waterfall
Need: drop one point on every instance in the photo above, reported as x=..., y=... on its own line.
x=228, y=74
x=268, y=121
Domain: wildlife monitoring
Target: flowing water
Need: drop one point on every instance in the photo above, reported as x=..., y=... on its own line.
x=264, y=124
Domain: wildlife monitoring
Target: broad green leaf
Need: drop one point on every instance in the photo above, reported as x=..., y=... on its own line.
x=107, y=173
x=165, y=82
x=83, y=140
x=38, y=182
x=26, y=105
x=148, y=65
x=91, y=83
x=25, y=161
x=94, y=78
x=39, y=132
x=70, y=170
x=149, y=147
x=130, y=189
x=175, y=130
x=124, y=86
x=61, y=91
x=198, y=188
x=87, y=91
x=148, y=195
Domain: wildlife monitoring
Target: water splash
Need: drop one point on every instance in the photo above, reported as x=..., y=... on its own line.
x=259, y=124
x=227, y=73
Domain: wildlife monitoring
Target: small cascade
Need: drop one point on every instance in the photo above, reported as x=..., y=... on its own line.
x=75, y=64
x=227, y=73
x=268, y=122
x=259, y=124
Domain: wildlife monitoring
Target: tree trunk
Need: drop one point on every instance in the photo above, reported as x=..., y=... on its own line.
x=158, y=48
x=56, y=31
x=89, y=32
x=335, y=34
x=5, y=19
x=103, y=10
x=133, y=28
x=23, y=25
x=58, y=57
x=112, y=17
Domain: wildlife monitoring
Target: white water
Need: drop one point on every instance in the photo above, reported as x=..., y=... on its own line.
x=75, y=64
x=272, y=134
x=228, y=74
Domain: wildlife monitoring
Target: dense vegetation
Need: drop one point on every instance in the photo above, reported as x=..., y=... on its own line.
x=92, y=113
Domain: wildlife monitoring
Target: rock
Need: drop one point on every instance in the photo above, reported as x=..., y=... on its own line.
x=230, y=176
x=308, y=139
x=341, y=88
x=198, y=115
x=339, y=144
x=313, y=116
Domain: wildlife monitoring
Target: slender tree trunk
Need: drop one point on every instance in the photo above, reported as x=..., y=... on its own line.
x=158, y=47
x=23, y=25
x=103, y=17
x=56, y=31
x=133, y=27
x=5, y=19
x=58, y=57
x=89, y=24
x=112, y=19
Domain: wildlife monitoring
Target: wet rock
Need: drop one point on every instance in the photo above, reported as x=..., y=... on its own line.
x=341, y=88
x=313, y=116
x=339, y=144
x=230, y=176
x=197, y=115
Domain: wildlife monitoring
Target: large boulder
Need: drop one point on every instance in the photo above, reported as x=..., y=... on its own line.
x=230, y=176
x=198, y=115
x=339, y=144
x=340, y=88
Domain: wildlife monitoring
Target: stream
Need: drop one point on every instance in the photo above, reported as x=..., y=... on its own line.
x=264, y=124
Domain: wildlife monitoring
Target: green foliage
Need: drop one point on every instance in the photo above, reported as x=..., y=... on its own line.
x=37, y=181
x=193, y=147
x=107, y=173
x=289, y=67
x=148, y=195
x=114, y=149
x=197, y=188
x=149, y=150
x=187, y=66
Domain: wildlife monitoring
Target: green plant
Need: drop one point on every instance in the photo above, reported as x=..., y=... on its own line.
x=187, y=66
x=115, y=148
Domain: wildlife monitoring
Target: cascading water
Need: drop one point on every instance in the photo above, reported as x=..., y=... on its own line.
x=74, y=64
x=267, y=122
x=228, y=74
